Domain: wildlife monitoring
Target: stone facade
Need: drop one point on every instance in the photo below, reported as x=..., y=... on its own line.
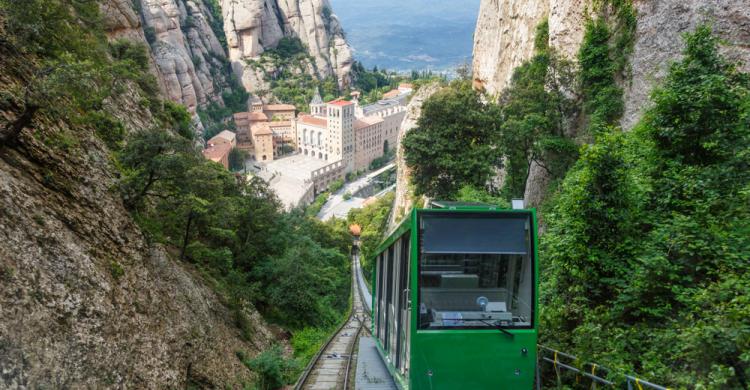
x=256, y=127
x=342, y=130
x=263, y=147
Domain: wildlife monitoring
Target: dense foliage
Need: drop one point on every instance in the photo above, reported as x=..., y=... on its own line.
x=373, y=220
x=373, y=83
x=529, y=124
x=231, y=229
x=536, y=110
x=286, y=70
x=237, y=158
x=646, y=252
x=440, y=164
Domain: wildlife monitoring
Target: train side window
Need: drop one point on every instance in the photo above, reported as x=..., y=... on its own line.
x=475, y=271
x=379, y=294
x=388, y=297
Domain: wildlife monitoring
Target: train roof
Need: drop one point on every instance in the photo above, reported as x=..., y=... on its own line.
x=444, y=204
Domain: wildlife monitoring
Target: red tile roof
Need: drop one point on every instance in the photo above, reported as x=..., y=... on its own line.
x=313, y=120
x=225, y=135
x=258, y=116
x=261, y=129
x=280, y=124
x=391, y=94
x=340, y=102
x=216, y=152
x=279, y=107
x=366, y=122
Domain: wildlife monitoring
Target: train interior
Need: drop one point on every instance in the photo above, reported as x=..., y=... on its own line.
x=482, y=277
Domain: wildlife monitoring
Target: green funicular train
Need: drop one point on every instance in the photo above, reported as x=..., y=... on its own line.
x=455, y=303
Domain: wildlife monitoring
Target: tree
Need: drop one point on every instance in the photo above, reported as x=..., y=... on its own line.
x=536, y=110
x=151, y=158
x=645, y=252
x=453, y=144
x=237, y=158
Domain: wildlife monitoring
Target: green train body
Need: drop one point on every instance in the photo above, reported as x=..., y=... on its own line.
x=455, y=299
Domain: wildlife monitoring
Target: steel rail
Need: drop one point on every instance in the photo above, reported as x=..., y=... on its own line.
x=305, y=374
x=351, y=353
x=357, y=309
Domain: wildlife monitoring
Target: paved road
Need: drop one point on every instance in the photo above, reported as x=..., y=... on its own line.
x=337, y=206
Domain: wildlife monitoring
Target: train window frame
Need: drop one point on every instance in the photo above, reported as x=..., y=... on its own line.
x=483, y=214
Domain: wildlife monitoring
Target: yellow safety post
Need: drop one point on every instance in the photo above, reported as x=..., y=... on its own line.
x=593, y=373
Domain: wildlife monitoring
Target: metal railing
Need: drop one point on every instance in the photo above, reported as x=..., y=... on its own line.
x=633, y=382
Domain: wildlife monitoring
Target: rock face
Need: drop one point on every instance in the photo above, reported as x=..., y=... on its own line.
x=659, y=41
x=85, y=300
x=504, y=38
x=253, y=26
x=404, y=200
x=191, y=63
x=505, y=32
x=188, y=55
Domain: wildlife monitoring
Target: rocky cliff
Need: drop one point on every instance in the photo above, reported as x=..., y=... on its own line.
x=404, y=200
x=504, y=39
x=658, y=41
x=192, y=63
x=86, y=301
x=252, y=26
x=189, y=60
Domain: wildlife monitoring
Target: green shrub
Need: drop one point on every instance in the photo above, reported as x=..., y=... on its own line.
x=116, y=270
x=135, y=54
x=289, y=47
x=336, y=185
x=150, y=34
x=307, y=342
x=237, y=158
x=273, y=369
x=108, y=128
x=314, y=208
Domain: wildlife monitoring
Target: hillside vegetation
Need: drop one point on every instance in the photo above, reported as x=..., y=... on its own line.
x=644, y=256
x=231, y=230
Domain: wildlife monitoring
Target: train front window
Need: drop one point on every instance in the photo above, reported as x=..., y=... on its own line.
x=475, y=270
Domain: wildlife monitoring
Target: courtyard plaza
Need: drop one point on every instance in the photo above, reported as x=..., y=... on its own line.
x=290, y=178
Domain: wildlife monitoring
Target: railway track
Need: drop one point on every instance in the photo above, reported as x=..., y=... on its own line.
x=331, y=367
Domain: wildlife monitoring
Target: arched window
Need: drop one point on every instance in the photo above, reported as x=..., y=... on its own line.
x=320, y=155
x=320, y=138
x=304, y=135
